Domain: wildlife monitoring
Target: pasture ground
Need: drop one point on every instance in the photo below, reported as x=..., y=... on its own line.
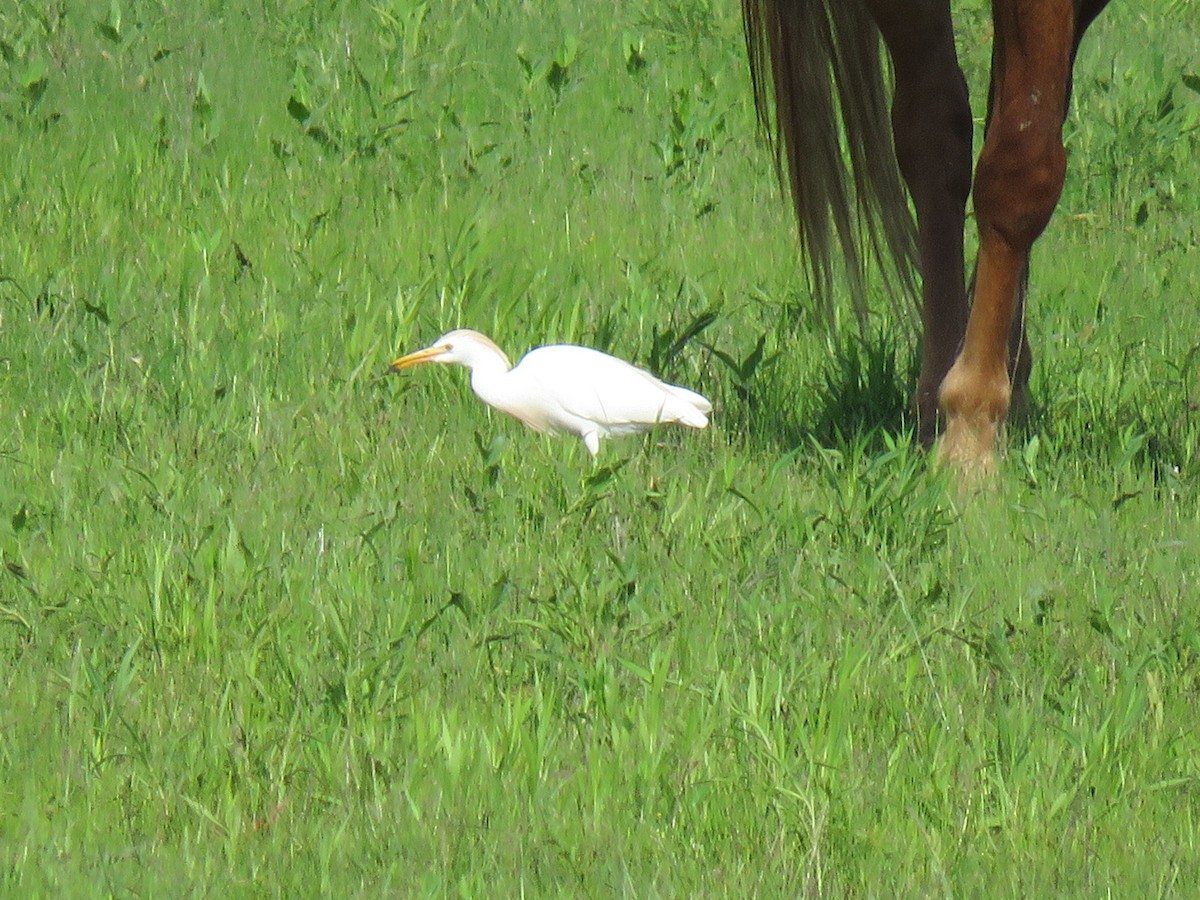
x=272, y=623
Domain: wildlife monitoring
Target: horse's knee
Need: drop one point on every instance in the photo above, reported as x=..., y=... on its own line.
x=1021, y=171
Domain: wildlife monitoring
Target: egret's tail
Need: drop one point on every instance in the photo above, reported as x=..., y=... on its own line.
x=687, y=407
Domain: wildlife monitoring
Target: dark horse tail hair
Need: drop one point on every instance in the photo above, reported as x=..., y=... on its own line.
x=809, y=61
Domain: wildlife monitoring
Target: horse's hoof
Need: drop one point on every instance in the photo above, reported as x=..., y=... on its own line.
x=969, y=451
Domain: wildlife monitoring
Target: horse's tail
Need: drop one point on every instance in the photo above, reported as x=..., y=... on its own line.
x=809, y=61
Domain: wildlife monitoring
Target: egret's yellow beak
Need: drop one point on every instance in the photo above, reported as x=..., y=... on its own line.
x=415, y=359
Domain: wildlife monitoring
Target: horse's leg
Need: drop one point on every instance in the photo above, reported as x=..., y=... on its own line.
x=932, y=131
x=1017, y=185
x=1020, y=356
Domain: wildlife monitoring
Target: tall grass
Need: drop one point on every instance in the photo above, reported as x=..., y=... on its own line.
x=274, y=623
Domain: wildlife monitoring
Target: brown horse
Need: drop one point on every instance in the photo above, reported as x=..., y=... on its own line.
x=812, y=61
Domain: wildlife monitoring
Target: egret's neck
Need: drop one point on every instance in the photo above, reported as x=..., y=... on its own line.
x=488, y=379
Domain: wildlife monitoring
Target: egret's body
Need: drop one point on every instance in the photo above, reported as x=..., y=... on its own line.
x=566, y=389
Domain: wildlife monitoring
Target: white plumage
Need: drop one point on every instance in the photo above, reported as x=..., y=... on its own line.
x=562, y=388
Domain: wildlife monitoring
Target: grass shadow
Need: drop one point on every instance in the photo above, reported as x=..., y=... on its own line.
x=857, y=393
x=862, y=393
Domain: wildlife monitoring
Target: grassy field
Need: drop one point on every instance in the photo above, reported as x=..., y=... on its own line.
x=274, y=623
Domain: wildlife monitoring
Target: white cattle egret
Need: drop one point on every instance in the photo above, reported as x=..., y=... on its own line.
x=563, y=388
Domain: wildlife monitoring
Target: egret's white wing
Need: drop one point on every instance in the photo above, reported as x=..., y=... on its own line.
x=587, y=386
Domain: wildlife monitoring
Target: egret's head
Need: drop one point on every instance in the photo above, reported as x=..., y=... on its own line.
x=461, y=347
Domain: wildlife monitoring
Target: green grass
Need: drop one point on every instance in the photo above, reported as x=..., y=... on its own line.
x=274, y=623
